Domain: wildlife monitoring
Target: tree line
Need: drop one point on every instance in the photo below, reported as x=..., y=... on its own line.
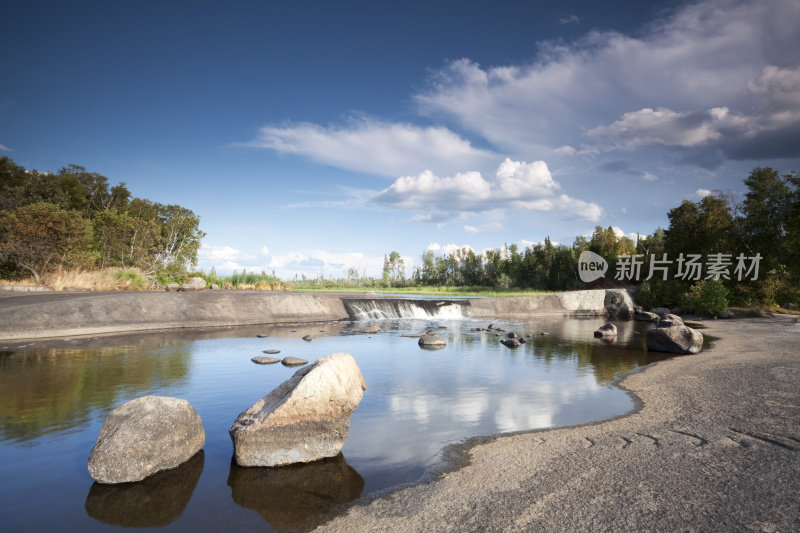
x=74, y=219
x=716, y=232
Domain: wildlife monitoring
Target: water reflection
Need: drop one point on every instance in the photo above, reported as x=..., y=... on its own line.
x=289, y=497
x=153, y=502
x=43, y=390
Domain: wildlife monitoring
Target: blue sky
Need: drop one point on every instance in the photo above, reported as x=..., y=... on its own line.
x=311, y=137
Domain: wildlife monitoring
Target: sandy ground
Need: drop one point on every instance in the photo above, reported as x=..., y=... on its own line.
x=715, y=446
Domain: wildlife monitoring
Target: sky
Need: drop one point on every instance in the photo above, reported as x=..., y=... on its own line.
x=315, y=137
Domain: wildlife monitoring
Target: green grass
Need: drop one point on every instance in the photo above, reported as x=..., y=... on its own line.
x=426, y=291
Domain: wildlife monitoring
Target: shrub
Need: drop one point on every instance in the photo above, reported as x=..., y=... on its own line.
x=707, y=297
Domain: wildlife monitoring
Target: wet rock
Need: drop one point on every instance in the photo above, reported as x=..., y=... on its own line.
x=369, y=329
x=271, y=352
x=264, y=360
x=669, y=320
x=308, y=338
x=431, y=339
x=660, y=310
x=645, y=316
x=512, y=335
x=144, y=436
x=194, y=284
x=606, y=330
x=293, y=361
x=674, y=339
x=522, y=340
x=262, y=336
x=304, y=419
x=510, y=343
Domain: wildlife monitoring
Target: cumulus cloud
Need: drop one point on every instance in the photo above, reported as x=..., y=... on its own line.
x=4, y=148
x=375, y=147
x=702, y=193
x=491, y=226
x=448, y=249
x=683, y=83
x=515, y=185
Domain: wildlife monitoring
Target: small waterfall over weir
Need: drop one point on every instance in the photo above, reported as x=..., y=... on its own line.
x=373, y=309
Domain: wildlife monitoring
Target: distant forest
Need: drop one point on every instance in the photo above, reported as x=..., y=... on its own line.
x=74, y=219
x=715, y=251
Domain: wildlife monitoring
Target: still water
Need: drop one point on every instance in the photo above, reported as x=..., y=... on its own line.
x=54, y=397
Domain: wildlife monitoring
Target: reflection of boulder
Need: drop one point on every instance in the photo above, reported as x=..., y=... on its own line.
x=153, y=502
x=289, y=497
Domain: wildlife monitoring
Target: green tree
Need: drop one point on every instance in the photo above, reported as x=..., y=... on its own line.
x=38, y=237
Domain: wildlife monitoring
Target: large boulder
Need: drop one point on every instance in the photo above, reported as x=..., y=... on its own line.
x=674, y=339
x=660, y=310
x=194, y=284
x=619, y=303
x=304, y=419
x=669, y=320
x=646, y=316
x=144, y=436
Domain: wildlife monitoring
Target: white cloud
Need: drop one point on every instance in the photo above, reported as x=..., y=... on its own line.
x=702, y=193
x=4, y=148
x=565, y=150
x=649, y=176
x=448, y=249
x=515, y=185
x=702, y=56
x=490, y=226
x=375, y=147
x=571, y=19
x=265, y=251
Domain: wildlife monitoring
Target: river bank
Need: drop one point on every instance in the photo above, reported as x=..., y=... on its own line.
x=714, y=447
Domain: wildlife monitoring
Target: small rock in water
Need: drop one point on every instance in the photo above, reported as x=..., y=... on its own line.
x=264, y=360
x=414, y=335
x=369, y=329
x=293, y=361
x=606, y=330
x=512, y=335
x=510, y=343
x=272, y=351
x=262, y=336
x=307, y=338
x=432, y=340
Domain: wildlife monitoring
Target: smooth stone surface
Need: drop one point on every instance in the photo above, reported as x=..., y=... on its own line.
x=369, y=329
x=144, y=436
x=669, y=320
x=606, y=330
x=308, y=338
x=194, y=284
x=431, y=339
x=264, y=360
x=272, y=352
x=660, y=310
x=304, y=419
x=674, y=339
x=646, y=316
x=293, y=361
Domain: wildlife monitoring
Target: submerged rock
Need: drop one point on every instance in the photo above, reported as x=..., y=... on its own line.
x=144, y=436
x=304, y=419
x=674, y=339
x=606, y=330
x=431, y=340
x=369, y=329
x=308, y=338
x=264, y=360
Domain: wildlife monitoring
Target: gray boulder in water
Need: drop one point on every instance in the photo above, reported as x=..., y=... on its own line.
x=144, y=436
x=606, y=330
x=304, y=419
x=431, y=340
x=674, y=339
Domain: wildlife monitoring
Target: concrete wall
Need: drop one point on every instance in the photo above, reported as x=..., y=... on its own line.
x=29, y=316
x=55, y=314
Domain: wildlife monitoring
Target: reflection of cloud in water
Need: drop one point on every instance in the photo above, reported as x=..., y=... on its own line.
x=512, y=416
x=470, y=409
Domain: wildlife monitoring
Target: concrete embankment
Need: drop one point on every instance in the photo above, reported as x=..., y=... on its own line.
x=599, y=302
x=55, y=314
x=43, y=315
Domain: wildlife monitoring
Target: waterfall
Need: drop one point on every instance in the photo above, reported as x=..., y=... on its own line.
x=372, y=309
